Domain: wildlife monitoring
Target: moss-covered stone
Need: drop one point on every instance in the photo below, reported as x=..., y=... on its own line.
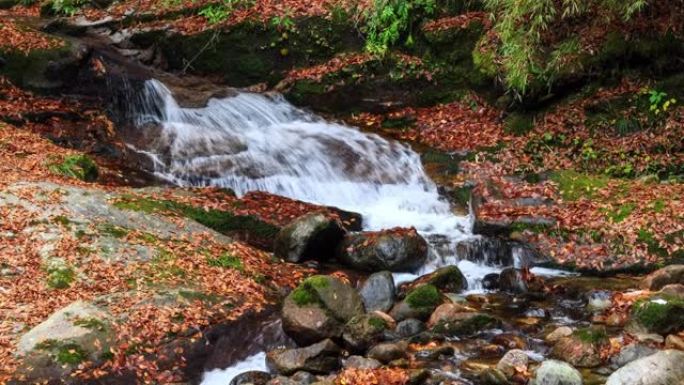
x=423, y=297
x=76, y=166
x=250, y=228
x=255, y=52
x=663, y=314
x=465, y=325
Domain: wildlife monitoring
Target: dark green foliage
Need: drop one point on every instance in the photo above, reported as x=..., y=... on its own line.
x=519, y=124
x=391, y=22
x=77, y=166
x=65, y=353
x=60, y=277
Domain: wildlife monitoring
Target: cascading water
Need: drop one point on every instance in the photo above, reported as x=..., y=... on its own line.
x=254, y=142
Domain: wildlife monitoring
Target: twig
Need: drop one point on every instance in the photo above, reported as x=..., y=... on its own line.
x=213, y=37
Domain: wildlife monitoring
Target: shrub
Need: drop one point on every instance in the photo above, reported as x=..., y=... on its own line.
x=391, y=21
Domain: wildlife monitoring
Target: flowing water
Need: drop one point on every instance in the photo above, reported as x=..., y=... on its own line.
x=257, y=142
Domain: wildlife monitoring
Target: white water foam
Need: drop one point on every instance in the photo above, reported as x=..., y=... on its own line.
x=225, y=376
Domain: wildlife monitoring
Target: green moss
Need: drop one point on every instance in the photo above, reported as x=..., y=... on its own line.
x=60, y=277
x=62, y=220
x=90, y=323
x=377, y=323
x=621, y=213
x=199, y=296
x=221, y=221
x=592, y=335
x=76, y=166
x=226, y=261
x=148, y=237
x=466, y=327
x=164, y=266
x=113, y=230
x=305, y=293
x=574, y=185
x=518, y=124
x=660, y=314
x=65, y=353
x=424, y=296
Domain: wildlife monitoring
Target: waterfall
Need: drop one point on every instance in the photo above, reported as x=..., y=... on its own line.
x=252, y=142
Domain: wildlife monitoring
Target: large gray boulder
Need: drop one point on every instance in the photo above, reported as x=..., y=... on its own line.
x=71, y=336
x=311, y=236
x=663, y=368
x=320, y=358
x=552, y=372
x=393, y=250
x=666, y=276
x=319, y=308
x=378, y=292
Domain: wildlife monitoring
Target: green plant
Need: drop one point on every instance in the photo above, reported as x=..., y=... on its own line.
x=76, y=166
x=67, y=7
x=391, y=21
x=425, y=296
x=60, y=277
x=217, y=13
x=226, y=261
x=284, y=21
x=520, y=26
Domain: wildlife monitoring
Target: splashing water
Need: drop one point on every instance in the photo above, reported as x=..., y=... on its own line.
x=254, y=142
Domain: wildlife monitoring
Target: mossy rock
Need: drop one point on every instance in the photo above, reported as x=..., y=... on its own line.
x=248, y=228
x=363, y=331
x=254, y=52
x=662, y=314
x=78, y=333
x=77, y=166
x=44, y=70
x=319, y=308
x=466, y=324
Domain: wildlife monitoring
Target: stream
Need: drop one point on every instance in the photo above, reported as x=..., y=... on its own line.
x=261, y=142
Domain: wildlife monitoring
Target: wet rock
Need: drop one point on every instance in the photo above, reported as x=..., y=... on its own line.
x=445, y=312
x=493, y=376
x=77, y=333
x=419, y=303
x=630, y=353
x=322, y=357
x=393, y=250
x=448, y=279
x=318, y=308
x=511, y=280
x=363, y=331
x=435, y=353
x=557, y=334
x=509, y=341
x=465, y=324
x=672, y=274
x=418, y=376
x=388, y=351
x=311, y=236
x=253, y=377
x=378, y=292
x=490, y=281
x=409, y=328
x=582, y=348
x=599, y=300
x=662, y=368
x=512, y=362
x=488, y=250
x=359, y=362
x=552, y=372
x=661, y=314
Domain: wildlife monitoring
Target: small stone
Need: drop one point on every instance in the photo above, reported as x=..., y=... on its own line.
x=512, y=362
x=322, y=357
x=490, y=281
x=493, y=376
x=310, y=236
x=378, y=291
x=655, y=281
x=511, y=280
x=253, y=377
x=388, y=351
x=359, y=362
x=445, y=312
x=599, y=300
x=557, y=334
x=553, y=372
x=409, y=327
